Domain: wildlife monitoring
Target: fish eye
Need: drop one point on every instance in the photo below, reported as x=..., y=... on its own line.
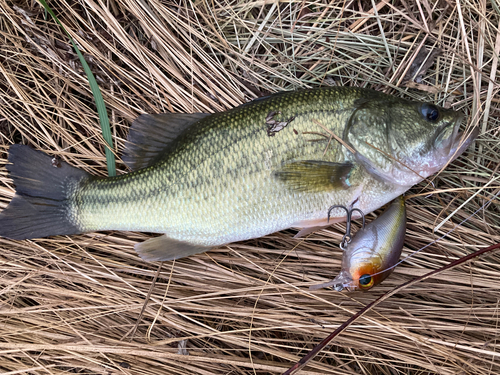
x=366, y=281
x=429, y=111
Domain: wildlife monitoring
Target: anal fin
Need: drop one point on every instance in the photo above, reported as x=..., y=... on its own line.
x=164, y=248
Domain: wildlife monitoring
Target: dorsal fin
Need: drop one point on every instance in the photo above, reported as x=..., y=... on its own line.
x=151, y=135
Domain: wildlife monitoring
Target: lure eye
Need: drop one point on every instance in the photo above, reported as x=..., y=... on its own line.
x=366, y=281
x=430, y=112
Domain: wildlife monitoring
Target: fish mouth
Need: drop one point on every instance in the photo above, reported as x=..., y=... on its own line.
x=448, y=149
x=459, y=141
x=446, y=137
x=462, y=142
x=456, y=127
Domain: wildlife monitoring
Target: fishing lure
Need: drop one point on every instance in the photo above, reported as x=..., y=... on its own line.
x=370, y=255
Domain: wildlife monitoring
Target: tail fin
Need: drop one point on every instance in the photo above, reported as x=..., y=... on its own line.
x=40, y=206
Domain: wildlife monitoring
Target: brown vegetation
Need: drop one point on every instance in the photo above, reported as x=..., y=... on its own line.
x=87, y=304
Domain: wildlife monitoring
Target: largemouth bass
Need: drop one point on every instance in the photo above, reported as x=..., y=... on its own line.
x=373, y=252
x=205, y=180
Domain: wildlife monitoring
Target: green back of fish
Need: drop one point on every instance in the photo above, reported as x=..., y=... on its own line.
x=230, y=177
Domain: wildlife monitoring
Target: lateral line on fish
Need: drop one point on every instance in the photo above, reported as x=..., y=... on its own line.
x=444, y=235
x=259, y=130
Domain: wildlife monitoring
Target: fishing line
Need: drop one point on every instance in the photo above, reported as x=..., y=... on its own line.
x=444, y=235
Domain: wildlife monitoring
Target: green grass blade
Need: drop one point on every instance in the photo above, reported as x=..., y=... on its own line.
x=99, y=101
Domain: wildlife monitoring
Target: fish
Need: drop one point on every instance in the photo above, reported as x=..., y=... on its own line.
x=373, y=252
x=206, y=180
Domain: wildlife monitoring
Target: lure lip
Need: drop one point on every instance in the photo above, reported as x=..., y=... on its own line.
x=342, y=281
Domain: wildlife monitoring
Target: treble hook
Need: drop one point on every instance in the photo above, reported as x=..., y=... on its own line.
x=347, y=236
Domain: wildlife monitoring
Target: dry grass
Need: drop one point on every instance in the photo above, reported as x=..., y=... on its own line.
x=73, y=304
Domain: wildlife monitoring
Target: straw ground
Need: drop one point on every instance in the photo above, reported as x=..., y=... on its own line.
x=87, y=304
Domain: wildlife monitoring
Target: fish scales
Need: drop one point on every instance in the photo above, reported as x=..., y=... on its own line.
x=219, y=176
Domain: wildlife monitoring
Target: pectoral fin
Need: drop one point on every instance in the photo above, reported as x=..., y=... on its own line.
x=164, y=248
x=315, y=176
